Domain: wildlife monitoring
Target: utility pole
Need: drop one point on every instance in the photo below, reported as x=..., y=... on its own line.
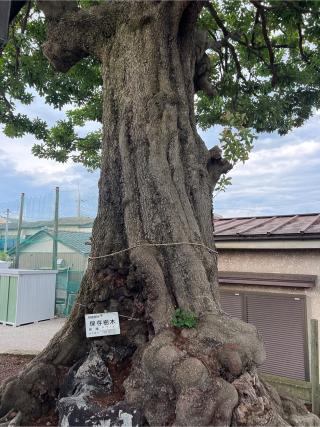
x=55, y=231
x=6, y=233
x=16, y=263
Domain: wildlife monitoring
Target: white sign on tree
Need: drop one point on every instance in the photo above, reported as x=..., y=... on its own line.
x=102, y=324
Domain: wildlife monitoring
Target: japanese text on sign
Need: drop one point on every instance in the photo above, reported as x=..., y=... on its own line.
x=102, y=324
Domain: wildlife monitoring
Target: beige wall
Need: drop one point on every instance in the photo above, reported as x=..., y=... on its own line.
x=44, y=244
x=306, y=261
x=38, y=260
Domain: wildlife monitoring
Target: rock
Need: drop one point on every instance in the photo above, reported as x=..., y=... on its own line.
x=120, y=414
x=90, y=375
x=84, y=379
x=94, y=372
x=117, y=415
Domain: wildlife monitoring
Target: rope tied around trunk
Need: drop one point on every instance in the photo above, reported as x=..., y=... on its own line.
x=143, y=245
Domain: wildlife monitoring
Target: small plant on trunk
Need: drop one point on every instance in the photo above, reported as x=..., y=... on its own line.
x=184, y=319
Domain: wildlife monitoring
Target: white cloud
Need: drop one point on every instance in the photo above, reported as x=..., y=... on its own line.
x=243, y=212
x=279, y=160
x=281, y=177
x=16, y=155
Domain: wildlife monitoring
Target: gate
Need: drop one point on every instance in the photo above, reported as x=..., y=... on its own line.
x=67, y=287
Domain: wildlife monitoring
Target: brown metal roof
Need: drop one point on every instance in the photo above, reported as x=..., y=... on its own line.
x=304, y=226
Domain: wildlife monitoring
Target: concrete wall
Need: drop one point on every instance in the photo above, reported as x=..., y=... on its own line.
x=304, y=261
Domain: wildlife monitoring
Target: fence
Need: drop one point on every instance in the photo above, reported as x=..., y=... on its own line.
x=67, y=287
x=10, y=243
x=307, y=391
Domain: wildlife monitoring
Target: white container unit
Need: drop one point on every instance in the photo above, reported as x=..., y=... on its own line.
x=26, y=296
x=5, y=264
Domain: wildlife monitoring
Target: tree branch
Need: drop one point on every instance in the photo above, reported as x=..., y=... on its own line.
x=256, y=22
x=303, y=55
x=260, y=17
x=225, y=41
x=75, y=33
x=17, y=45
x=264, y=29
x=7, y=103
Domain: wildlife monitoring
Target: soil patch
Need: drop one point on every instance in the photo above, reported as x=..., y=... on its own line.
x=119, y=372
x=12, y=364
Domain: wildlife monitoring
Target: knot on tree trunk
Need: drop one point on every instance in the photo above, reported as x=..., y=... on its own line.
x=217, y=165
x=202, y=64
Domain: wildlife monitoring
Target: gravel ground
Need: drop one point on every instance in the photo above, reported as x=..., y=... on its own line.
x=28, y=339
x=11, y=364
x=18, y=345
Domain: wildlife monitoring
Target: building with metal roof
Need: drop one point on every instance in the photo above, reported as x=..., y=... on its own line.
x=288, y=227
x=36, y=250
x=269, y=275
x=29, y=228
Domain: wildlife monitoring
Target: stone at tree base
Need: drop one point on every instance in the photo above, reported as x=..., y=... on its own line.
x=119, y=415
x=83, y=380
x=87, y=379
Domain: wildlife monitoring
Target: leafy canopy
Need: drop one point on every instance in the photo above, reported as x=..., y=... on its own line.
x=265, y=67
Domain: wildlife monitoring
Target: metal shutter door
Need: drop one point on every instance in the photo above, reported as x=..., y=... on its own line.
x=231, y=303
x=281, y=322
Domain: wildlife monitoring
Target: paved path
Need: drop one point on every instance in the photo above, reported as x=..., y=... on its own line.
x=28, y=339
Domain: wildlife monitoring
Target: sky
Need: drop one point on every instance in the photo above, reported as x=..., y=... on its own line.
x=282, y=175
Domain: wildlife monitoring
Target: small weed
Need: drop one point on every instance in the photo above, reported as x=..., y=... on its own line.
x=4, y=256
x=184, y=319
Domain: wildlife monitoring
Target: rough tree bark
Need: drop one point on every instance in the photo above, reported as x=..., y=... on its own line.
x=156, y=187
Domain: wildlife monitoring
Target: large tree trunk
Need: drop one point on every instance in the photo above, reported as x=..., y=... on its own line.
x=155, y=188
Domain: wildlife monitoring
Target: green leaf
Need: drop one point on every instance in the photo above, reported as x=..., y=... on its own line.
x=184, y=319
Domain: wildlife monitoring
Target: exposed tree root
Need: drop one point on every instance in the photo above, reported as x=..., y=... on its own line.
x=12, y=419
x=7, y=417
x=202, y=376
